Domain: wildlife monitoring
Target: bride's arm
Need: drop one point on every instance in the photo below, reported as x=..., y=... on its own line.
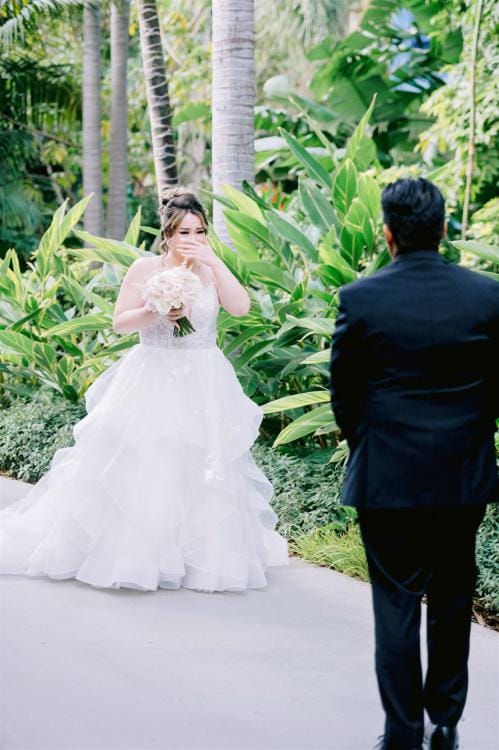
x=130, y=314
x=232, y=295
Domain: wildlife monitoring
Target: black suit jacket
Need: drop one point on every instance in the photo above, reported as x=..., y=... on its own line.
x=414, y=384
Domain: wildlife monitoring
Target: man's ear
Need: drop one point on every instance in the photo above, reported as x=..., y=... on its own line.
x=444, y=230
x=389, y=240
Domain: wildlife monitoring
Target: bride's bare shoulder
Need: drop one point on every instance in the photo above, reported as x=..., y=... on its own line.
x=144, y=266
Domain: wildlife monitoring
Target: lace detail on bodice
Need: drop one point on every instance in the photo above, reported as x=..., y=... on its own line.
x=203, y=317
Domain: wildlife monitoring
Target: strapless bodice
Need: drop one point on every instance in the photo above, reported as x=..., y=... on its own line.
x=203, y=317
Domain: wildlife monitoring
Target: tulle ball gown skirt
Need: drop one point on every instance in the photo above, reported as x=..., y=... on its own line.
x=160, y=488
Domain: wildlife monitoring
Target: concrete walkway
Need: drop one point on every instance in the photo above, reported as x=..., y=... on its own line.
x=289, y=667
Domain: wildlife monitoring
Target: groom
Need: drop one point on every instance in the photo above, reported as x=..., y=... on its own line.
x=414, y=383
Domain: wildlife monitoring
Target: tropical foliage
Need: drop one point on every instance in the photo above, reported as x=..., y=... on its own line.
x=56, y=317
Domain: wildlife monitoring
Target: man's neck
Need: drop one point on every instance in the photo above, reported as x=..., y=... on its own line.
x=395, y=252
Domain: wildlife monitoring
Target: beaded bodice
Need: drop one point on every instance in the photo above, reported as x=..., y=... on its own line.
x=203, y=317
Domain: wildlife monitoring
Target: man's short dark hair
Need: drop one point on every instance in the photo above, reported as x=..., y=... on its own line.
x=414, y=210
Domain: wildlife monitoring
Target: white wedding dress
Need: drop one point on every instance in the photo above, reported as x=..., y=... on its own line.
x=160, y=488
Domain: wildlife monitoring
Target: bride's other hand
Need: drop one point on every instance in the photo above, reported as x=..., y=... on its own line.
x=198, y=250
x=231, y=293
x=175, y=314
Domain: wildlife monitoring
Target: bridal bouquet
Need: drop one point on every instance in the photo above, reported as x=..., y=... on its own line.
x=169, y=289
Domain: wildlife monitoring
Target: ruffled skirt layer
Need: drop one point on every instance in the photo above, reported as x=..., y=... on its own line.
x=160, y=488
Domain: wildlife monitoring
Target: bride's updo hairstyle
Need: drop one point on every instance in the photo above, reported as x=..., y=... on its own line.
x=175, y=204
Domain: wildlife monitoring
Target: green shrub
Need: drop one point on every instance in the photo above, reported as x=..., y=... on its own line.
x=306, y=489
x=334, y=548
x=32, y=431
x=487, y=555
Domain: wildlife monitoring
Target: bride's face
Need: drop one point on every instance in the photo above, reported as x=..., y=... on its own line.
x=190, y=227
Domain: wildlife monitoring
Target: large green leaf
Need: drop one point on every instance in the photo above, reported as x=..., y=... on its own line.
x=317, y=418
x=220, y=198
x=18, y=343
x=64, y=370
x=318, y=207
x=12, y=291
x=358, y=221
x=105, y=250
x=366, y=154
x=249, y=333
x=312, y=114
x=250, y=191
x=352, y=245
x=45, y=355
x=344, y=187
x=151, y=230
x=94, y=323
x=243, y=242
x=230, y=258
x=480, y=249
x=313, y=109
x=272, y=273
x=379, y=260
x=336, y=265
x=369, y=194
x=243, y=202
x=284, y=227
x=323, y=326
x=34, y=313
x=332, y=276
x=313, y=167
x=49, y=242
x=356, y=142
x=296, y=401
x=57, y=232
x=318, y=358
x=249, y=224
x=72, y=218
x=357, y=233
x=36, y=352
x=132, y=235
x=258, y=348
x=81, y=296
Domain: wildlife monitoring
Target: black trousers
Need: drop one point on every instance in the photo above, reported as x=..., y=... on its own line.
x=412, y=552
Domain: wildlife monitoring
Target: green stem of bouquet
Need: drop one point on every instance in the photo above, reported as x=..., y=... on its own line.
x=185, y=327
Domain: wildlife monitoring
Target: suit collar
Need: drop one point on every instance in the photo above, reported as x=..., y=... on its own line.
x=416, y=255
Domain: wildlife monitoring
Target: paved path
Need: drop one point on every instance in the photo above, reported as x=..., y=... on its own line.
x=289, y=667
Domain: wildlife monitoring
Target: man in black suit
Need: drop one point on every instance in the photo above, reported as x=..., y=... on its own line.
x=414, y=383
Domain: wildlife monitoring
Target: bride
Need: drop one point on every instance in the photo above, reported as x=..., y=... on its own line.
x=160, y=488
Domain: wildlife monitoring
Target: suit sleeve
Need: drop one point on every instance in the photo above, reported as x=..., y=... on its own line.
x=347, y=381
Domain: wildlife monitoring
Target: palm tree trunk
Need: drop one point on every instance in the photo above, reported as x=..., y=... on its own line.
x=470, y=162
x=92, y=158
x=157, y=95
x=233, y=99
x=118, y=145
